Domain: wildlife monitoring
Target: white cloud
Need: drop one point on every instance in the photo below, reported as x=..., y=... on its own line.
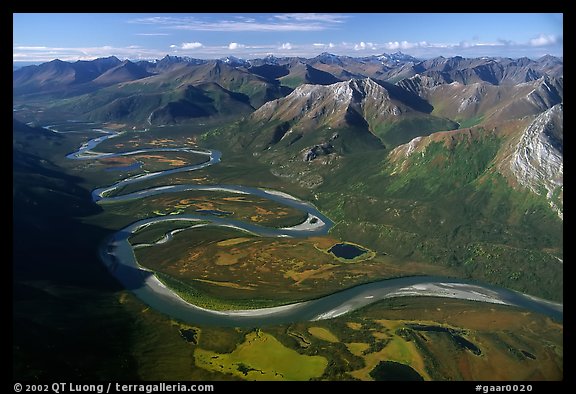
x=313, y=17
x=46, y=54
x=283, y=22
x=235, y=45
x=392, y=45
x=322, y=45
x=395, y=45
x=364, y=45
x=485, y=44
x=543, y=39
x=28, y=48
x=36, y=52
x=191, y=45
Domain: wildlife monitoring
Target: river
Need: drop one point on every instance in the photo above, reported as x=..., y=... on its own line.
x=118, y=255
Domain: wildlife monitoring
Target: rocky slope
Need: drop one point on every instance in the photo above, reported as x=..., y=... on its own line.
x=313, y=115
x=478, y=101
x=381, y=109
x=537, y=161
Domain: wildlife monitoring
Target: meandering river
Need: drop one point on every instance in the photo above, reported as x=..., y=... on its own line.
x=118, y=255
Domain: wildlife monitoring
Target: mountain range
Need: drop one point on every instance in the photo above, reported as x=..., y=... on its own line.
x=162, y=84
x=296, y=110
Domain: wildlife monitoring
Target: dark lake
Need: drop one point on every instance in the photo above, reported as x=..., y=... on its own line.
x=190, y=335
x=347, y=251
x=391, y=371
x=455, y=334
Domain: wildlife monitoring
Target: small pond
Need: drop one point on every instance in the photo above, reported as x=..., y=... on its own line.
x=347, y=251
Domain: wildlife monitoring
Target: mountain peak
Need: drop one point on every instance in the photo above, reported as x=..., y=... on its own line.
x=328, y=58
x=342, y=92
x=173, y=59
x=270, y=59
x=548, y=57
x=340, y=104
x=399, y=57
x=112, y=59
x=235, y=61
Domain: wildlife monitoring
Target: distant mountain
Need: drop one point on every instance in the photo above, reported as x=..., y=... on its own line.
x=292, y=72
x=234, y=61
x=17, y=64
x=204, y=100
x=94, y=68
x=397, y=57
x=175, y=105
x=551, y=65
x=273, y=60
x=475, y=102
x=270, y=59
x=52, y=75
x=270, y=71
x=496, y=71
x=183, y=90
x=66, y=79
x=123, y=72
x=384, y=59
x=377, y=67
x=168, y=62
x=258, y=89
x=328, y=58
x=393, y=59
x=301, y=73
x=345, y=67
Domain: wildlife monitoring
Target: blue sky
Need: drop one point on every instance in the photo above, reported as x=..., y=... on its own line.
x=44, y=37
